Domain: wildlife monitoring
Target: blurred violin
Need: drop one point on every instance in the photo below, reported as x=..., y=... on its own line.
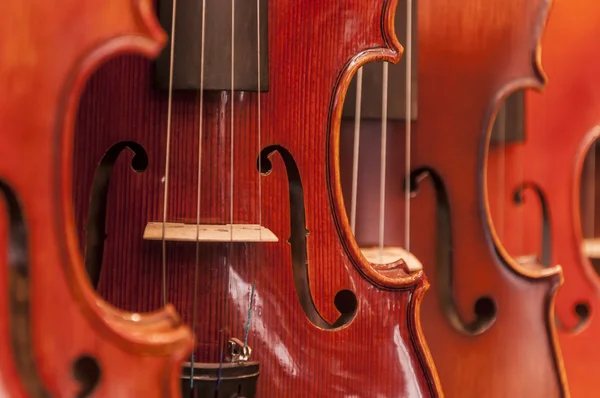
x=487, y=320
x=538, y=183
x=209, y=178
x=58, y=338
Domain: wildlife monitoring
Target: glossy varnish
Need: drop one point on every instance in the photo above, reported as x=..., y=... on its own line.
x=487, y=320
x=314, y=49
x=562, y=124
x=57, y=337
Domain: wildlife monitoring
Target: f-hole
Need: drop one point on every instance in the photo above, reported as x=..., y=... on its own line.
x=19, y=296
x=546, y=241
x=582, y=311
x=86, y=371
x=345, y=301
x=484, y=308
x=96, y=222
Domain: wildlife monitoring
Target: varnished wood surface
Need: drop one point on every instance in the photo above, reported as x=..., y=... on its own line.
x=562, y=123
x=50, y=318
x=314, y=49
x=470, y=57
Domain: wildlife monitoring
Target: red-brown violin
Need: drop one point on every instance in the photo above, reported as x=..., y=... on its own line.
x=487, y=320
x=57, y=337
x=536, y=202
x=209, y=178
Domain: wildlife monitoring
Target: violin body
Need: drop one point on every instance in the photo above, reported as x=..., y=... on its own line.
x=322, y=321
x=487, y=320
x=561, y=126
x=58, y=337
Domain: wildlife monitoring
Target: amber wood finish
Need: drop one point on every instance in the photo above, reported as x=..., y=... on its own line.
x=487, y=320
x=306, y=335
x=58, y=338
x=562, y=123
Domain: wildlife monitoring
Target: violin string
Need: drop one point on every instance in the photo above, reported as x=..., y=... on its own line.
x=198, y=203
x=258, y=78
x=355, y=155
x=408, y=104
x=231, y=169
x=256, y=257
x=500, y=128
x=384, y=116
x=167, y=156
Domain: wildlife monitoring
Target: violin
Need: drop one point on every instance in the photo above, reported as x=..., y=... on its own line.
x=487, y=320
x=59, y=338
x=539, y=200
x=208, y=178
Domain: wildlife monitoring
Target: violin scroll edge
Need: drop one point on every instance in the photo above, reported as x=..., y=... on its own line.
x=538, y=67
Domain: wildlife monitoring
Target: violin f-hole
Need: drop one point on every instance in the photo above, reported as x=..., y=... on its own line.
x=87, y=372
x=96, y=221
x=19, y=296
x=484, y=308
x=582, y=311
x=546, y=242
x=345, y=301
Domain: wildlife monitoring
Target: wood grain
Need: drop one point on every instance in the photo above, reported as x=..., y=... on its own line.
x=54, y=329
x=314, y=49
x=562, y=124
x=488, y=321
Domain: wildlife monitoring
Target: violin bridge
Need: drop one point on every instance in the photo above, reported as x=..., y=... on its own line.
x=391, y=254
x=181, y=232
